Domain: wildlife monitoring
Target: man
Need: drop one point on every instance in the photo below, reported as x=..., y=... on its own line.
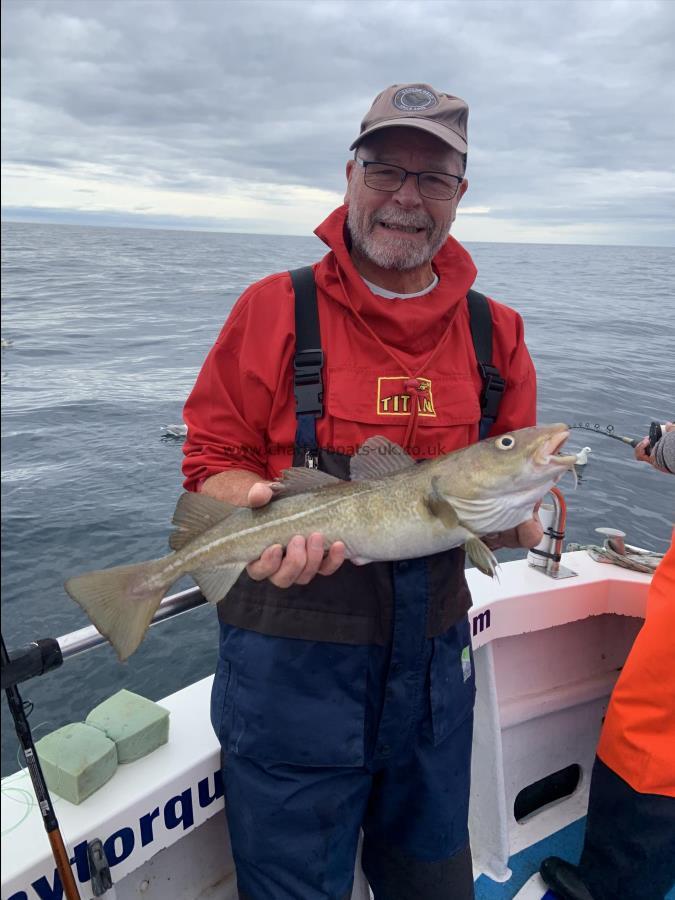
x=346, y=702
x=629, y=844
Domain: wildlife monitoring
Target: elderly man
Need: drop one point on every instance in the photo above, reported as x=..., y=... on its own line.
x=343, y=698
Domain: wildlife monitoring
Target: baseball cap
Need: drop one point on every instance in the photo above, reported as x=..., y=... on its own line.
x=418, y=106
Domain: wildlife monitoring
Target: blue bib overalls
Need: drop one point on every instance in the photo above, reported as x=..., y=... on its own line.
x=323, y=738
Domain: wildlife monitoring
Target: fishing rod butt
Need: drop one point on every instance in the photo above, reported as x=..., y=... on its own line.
x=63, y=865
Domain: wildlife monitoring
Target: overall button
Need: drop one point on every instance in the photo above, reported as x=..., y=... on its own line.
x=383, y=749
x=396, y=668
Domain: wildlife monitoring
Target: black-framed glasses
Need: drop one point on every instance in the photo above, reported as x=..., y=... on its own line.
x=387, y=177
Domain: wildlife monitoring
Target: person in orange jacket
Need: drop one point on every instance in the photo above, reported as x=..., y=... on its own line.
x=629, y=844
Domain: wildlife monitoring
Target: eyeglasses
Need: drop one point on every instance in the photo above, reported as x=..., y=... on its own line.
x=386, y=177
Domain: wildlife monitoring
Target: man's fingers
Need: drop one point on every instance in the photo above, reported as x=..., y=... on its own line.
x=267, y=565
x=301, y=562
x=293, y=563
x=493, y=541
x=314, y=558
x=641, y=451
x=334, y=559
x=260, y=494
x=529, y=533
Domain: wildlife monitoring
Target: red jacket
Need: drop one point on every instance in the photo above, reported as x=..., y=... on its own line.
x=241, y=412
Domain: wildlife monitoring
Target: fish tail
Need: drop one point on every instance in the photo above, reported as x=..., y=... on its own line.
x=120, y=601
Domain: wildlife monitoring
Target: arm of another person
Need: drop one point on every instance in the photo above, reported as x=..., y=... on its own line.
x=662, y=455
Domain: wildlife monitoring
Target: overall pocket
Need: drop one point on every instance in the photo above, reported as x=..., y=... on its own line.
x=295, y=701
x=452, y=682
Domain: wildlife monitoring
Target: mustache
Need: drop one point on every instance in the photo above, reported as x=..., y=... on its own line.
x=406, y=219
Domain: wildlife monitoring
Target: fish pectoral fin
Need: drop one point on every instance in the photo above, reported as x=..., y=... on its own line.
x=195, y=514
x=440, y=507
x=214, y=583
x=481, y=556
x=377, y=458
x=300, y=481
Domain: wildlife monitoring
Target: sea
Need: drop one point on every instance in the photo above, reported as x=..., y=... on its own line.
x=103, y=333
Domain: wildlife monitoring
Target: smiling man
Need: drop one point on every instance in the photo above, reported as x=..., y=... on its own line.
x=343, y=697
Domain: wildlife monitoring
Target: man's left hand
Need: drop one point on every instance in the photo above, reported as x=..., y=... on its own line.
x=527, y=534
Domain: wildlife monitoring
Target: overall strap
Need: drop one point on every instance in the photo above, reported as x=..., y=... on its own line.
x=493, y=384
x=307, y=365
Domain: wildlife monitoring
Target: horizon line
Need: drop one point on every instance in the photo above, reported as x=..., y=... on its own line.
x=206, y=230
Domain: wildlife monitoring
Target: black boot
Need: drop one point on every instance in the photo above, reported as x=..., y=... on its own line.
x=563, y=878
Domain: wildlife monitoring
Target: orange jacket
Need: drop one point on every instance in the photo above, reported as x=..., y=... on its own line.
x=638, y=737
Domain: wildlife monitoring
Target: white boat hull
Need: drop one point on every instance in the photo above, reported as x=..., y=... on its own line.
x=547, y=654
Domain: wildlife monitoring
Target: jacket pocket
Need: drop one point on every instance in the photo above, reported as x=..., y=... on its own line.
x=295, y=701
x=452, y=682
x=362, y=402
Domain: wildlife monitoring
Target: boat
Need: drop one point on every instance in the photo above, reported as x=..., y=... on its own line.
x=549, y=637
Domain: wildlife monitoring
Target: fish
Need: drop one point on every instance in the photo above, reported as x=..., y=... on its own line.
x=391, y=508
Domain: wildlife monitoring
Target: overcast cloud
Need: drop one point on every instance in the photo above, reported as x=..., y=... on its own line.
x=238, y=115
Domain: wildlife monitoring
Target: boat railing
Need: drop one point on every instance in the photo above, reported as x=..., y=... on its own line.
x=41, y=656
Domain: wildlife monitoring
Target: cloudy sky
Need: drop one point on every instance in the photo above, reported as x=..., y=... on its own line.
x=237, y=116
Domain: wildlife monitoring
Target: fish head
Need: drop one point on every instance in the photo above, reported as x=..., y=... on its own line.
x=526, y=461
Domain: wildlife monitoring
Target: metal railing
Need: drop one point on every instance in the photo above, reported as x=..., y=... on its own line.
x=41, y=656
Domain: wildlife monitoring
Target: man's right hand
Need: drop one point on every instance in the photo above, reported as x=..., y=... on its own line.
x=303, y=558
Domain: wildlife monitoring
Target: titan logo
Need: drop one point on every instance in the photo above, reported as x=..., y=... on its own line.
x=392, y=399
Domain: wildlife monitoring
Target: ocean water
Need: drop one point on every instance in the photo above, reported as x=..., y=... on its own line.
x=103, y=333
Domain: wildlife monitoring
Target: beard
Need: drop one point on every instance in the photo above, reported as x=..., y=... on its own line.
x=396, y=250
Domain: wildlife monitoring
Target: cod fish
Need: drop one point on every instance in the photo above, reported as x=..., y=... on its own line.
x=393, y=508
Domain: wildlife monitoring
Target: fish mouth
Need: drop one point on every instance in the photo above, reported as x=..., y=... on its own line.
x=548, y=454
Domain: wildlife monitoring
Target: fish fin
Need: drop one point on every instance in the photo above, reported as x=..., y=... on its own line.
x=377, y=458
x=195, y=514
x=215, y=582
x=119, y=602
x=299, y=481
x=440, y=507
x=481, y=556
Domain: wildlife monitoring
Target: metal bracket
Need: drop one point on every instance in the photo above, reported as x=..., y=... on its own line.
x=99, y=870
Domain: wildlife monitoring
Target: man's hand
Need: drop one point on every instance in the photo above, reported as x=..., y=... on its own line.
x=641, y=449
x=527, y=534
x=303, y=559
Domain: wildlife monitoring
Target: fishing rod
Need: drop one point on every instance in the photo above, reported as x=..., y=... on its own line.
x=37, y=658
x=49, y=819
x=656, y=432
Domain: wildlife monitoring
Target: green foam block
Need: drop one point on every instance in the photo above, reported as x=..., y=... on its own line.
x=76, y=760
x=136, y=725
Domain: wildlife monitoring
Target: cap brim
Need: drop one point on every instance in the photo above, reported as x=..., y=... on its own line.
x=445, y=134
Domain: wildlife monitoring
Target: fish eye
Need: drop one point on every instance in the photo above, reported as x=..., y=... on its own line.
x=505, y=442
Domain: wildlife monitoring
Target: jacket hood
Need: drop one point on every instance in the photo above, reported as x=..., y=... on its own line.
x=413, y=324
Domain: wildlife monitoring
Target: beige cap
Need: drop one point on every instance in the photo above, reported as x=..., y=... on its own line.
x=418, y=106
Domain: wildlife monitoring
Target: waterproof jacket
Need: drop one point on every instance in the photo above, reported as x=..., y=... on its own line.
x=638, y=736
x=241, y=415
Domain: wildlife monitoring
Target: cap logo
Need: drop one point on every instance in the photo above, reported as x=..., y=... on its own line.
x=413, y=99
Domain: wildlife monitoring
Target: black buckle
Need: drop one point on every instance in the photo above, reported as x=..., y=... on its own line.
x=307, y=382
x=493, y=389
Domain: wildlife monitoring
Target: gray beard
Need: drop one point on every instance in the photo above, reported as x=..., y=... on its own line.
x=396, y=252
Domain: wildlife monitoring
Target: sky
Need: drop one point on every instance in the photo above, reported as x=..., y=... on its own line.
x=237, y=116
